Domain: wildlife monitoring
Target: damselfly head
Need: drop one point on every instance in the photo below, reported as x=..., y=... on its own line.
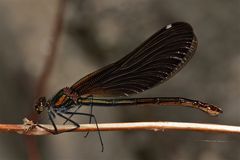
x=41, y=105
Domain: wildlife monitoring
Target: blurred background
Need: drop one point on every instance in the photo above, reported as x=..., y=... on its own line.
x=96, y=33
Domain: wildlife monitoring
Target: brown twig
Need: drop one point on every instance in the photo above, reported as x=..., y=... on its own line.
x=33, y=129
x=49, y=63
x=57, y=29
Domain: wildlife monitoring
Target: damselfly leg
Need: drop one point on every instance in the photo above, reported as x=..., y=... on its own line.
x=89, y=115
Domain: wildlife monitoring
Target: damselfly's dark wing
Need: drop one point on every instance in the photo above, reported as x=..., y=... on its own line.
x=153, y=62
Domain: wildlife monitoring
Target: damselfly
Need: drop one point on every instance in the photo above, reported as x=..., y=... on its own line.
x=153, y=62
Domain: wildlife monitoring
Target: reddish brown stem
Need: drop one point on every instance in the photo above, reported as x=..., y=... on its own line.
x=49, y=63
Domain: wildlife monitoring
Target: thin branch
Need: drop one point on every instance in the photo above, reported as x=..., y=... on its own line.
x=31, y=144
x=32, y=129
x=55, y=38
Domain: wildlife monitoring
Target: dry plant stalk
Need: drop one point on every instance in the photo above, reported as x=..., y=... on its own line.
x=29, y=128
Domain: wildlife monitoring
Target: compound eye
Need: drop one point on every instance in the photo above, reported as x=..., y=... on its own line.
x=41, y=104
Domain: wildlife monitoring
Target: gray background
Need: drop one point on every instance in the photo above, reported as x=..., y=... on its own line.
x=99, y=32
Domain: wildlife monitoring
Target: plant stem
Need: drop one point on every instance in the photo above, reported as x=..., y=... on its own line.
x=33, y=129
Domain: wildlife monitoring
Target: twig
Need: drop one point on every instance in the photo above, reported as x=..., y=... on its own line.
x=56, y=33
x=31, y=144
x=33, y=129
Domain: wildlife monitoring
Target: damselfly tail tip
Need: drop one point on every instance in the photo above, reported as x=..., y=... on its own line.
x=211, y=109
